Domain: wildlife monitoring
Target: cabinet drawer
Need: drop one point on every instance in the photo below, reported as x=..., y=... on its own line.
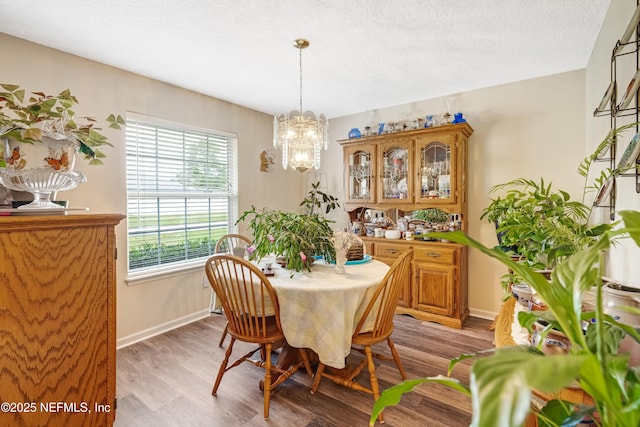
x=389, y=249
x=435, y=254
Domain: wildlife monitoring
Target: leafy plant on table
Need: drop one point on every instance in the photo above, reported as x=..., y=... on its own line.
x=316, y=198
x=501, y=380
x=296, y=237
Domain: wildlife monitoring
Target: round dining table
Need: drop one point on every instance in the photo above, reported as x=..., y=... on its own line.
x=320, y=309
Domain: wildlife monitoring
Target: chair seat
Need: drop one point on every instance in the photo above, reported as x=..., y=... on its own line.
x=367, y=338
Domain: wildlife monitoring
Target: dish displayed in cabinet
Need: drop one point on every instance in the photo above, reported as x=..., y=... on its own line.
x=394, y=172
x=435, y=170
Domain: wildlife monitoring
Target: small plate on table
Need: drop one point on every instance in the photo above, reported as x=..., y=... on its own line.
x=365, y=258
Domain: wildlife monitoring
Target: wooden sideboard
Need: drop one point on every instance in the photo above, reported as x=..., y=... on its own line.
x=57, y=320
x=437, y=288
x=406, y=171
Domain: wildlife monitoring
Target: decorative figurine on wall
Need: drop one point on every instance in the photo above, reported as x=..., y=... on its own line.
x=267, y=160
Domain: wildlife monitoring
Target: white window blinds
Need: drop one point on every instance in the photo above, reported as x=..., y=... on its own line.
x=181, y=192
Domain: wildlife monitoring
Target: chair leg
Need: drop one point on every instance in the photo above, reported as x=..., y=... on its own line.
x=263, y=353
x=224, y=334
x=372, y=376
x=318, y=377
x=396, y=358
x=267, y=381
x=223, y=367
x=305, y=360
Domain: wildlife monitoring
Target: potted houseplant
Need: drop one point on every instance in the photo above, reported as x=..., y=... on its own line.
x=540, y=225
x=501, y=380
x=295, y=237
x=31, y=120
x=41, y=134
x=431, y=215
x=316, y=198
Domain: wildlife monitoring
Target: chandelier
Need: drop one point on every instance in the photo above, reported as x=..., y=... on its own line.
x=300, y=135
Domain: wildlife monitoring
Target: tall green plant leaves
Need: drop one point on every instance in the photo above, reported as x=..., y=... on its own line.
x=501, y=384
x=632, y=224
x=543, y=225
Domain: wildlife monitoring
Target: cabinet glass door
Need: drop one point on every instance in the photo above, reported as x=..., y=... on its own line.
x=436, y=174
x=395, y=162
x=359, y=174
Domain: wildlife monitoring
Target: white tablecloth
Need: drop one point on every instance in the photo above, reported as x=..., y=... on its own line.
x=320, y=310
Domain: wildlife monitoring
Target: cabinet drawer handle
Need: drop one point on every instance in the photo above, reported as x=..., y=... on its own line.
x=433, y=254
x=392, y=251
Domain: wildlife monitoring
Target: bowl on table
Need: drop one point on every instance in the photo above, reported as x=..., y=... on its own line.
x=392, y=234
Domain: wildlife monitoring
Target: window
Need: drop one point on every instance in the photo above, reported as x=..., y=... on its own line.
x=181, y=193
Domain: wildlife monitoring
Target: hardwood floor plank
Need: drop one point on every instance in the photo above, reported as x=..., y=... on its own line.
x=166, y=381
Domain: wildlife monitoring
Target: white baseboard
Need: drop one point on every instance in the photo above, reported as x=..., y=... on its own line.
x=161, y=329
x=483, y=314
x=193, y=317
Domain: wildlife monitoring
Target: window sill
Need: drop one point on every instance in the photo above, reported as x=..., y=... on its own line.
x=136, y=279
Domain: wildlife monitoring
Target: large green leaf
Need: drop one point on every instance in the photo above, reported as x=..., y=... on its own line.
x=569, y=414
x=392, y=395
x=501, y=384
x=632, y=223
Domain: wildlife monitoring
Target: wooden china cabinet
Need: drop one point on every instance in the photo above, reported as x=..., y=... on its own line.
x=58, y=320
x=403, y=172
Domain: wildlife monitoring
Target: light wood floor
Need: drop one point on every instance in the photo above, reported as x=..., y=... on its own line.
x=167, y=381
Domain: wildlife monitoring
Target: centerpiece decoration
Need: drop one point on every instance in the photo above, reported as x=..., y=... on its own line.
x=342, y=241
x=294, y=238
x=41, y=135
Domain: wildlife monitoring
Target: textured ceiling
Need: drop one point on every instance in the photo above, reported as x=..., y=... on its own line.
x=364, y=54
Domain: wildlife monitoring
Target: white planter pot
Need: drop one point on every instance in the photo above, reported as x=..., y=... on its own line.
x=614, y=296
x=41, y=169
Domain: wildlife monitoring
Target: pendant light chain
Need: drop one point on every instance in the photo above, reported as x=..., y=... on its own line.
x=300, y=52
